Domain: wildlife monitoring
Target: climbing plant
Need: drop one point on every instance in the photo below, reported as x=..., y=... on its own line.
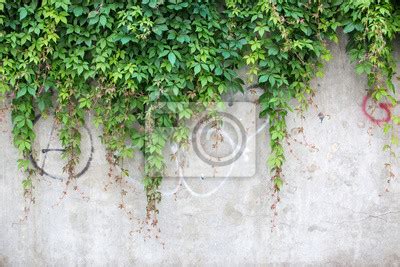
x=124, y=61
x=372, y=27
x=285, y=52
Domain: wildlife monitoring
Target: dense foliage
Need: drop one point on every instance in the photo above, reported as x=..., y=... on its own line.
x=120, y=59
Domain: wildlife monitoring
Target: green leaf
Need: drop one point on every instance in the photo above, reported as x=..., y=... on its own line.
x=172, y=57
x=159, y=29
x=273, y=51
x=218, y=71
x=92, y=14
x=272, y=80
x=175, y=90
x=103, y=20
x=93, y=20
x=32, y=90
x=278, y=183
x=125, y=39
x=263, y=79
x=153, y=3
x=41, y=105
x=21, y=92
x=29, y=124
x=22, y=13
x=27, y=183
x=164, y=53
x=348, y=28
x=197, y=69
x=226, y=54
x=78, y=10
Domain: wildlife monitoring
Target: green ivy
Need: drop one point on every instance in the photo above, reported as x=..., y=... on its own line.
x=121, y=60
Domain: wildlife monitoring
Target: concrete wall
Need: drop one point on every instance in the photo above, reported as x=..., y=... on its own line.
x=336, y=205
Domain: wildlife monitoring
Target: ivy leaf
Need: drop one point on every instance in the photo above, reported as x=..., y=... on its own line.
x=278, y=183
x=359, y=68
x=32, y=90
x=21, y=92
x=183, y=38
x=93, y=20
x=226, y=54
x=273, y=51
x=78, y=11
x=172, y=58
x=22, y=13
x=29, y=123
x=363, y=68
x=218, y=71
x=103, y=20
x=163, y=53
x=153, y=3
x=205, y=67
x=272, y=80
x=348, y=28
x=197, y=69
x=175, y=90
x=125, y=39
x=159, y=29
x=263, y=79
x=27, y=183
x=92, y=14
x=41, y=105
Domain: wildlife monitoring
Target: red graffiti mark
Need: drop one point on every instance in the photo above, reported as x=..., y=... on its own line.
x=384, y=106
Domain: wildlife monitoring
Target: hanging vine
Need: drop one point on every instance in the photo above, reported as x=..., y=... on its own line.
x=128, y=60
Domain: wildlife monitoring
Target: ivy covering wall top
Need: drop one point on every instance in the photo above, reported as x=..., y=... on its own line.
x=119, y=59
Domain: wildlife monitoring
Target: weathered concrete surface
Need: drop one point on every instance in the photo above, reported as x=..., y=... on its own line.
x=336, y=206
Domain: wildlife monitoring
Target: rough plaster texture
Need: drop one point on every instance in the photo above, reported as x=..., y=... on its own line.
x=336, y=206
